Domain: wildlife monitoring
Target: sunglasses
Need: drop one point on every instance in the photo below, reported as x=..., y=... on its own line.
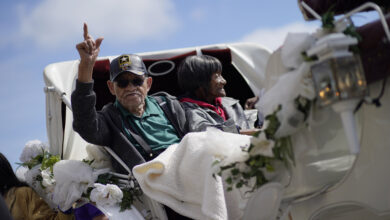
x=123, y=83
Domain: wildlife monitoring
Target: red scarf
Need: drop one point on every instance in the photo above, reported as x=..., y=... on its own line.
x=216, y=108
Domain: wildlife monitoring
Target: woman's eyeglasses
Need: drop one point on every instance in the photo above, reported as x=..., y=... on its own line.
x=123, y=83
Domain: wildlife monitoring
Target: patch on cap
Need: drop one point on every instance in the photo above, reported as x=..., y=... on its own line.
x=124, y=62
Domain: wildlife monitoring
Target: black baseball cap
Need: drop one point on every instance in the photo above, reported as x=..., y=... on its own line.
x=127, y=63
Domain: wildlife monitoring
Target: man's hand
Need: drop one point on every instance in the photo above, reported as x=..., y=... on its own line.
x=88, y=51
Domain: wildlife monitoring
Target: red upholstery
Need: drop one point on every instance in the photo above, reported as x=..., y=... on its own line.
x=101, y=73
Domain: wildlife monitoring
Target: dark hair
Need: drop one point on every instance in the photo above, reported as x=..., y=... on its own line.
x=195, y=72
x=8, y=178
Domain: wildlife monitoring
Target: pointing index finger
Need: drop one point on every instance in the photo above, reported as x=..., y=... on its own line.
x=86, y=35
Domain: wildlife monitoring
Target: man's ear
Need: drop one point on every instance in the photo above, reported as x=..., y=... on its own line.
x=110, y=85
x=149, y=81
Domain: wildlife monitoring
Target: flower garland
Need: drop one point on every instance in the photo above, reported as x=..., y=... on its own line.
x=273, y=144
x=267, y=147
x=108, y=188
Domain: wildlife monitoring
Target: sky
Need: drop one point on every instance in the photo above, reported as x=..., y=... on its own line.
x=37, y=33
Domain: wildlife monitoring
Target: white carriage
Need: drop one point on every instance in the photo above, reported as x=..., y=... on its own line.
x=327, y=181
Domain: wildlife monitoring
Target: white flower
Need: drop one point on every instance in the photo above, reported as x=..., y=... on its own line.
x=106, y=194
x=306, y=88
x=47, y=180
x=73, y=178
x=49, y=183
x=226, y=147
x=32, y=149
x=31, y=179
x=99, y=156
x=262, y=146
x=21, y=173
x=243, y=167
x=31, y=175
x=293, y=45
x=73, y=171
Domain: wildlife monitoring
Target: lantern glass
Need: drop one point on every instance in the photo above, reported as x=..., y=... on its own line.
x=338, y=78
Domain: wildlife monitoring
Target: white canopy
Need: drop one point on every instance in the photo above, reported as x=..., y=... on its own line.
x=249, y=59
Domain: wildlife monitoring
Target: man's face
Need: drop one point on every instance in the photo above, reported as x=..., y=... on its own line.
x=130, y=90
x=216, y=88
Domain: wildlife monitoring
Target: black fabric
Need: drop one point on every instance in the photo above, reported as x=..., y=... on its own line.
x=4, y=211
x=374, y=51
x=172, y=215
x=174, y=112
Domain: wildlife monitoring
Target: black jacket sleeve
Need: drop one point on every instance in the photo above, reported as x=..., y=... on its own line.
x=90, y=124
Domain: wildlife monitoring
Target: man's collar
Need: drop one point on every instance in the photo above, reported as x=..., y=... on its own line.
x=149, y=110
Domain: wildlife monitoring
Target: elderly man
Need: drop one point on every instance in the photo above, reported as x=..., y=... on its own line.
x=137, y=127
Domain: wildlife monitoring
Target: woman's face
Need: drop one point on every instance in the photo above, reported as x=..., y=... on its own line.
x=216, y=88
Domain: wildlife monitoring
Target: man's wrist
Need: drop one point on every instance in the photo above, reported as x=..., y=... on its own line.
x=85, y=71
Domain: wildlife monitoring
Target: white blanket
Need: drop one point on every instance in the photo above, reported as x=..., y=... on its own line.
x=181, y=177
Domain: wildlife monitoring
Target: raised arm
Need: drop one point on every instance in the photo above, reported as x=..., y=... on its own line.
x=88, y=50
x=86, y=121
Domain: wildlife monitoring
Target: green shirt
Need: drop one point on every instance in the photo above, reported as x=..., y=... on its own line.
x=152, y=126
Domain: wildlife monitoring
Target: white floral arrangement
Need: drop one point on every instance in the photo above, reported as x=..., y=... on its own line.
x=265, y=149
x=39, y=162
x=272, y=145
x=58, y=183
x=287, y=106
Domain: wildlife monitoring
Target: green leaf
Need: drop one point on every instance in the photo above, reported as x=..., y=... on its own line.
x=235, y=171
x=246, y=175
x=308, y=58
x=351, y=31
x=49, y=161
x=129, y=196
x=269, y=168
x=34, y=161
x=273, y=124
x=215, y=162
x=328, y=20
x=107, y=178
x=303, y=105
x=229, y=180
x=89, y=162
x=127, y=200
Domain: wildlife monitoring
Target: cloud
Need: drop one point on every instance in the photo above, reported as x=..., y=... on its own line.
x=273, y=38
x=53, y=22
